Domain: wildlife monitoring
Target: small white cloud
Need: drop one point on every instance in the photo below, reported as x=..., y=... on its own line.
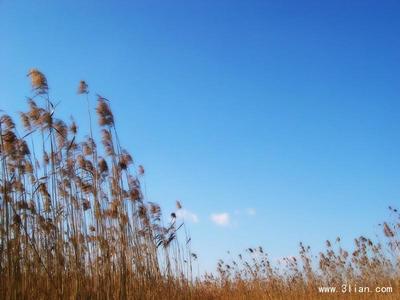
x=187, y=215
x=251, y=211
x=221, y=219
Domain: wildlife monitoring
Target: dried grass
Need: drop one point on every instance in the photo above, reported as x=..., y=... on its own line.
x=75, y=225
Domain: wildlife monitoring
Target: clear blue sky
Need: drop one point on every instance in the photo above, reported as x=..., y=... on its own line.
x=281, y=117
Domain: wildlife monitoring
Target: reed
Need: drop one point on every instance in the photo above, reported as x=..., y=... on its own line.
x=75, y=225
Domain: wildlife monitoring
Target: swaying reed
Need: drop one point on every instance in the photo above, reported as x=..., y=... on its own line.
x=75, y=224
x=73, y=216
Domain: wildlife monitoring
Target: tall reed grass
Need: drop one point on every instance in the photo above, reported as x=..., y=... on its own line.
x=74, y=222
x=76, y=225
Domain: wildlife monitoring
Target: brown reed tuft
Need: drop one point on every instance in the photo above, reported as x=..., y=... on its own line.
x=103, y=110
x=83, y=87
x=38, y=81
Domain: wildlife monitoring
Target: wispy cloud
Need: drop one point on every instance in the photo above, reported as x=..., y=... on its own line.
x=250, y=211
x=187, y=215
x=221, y=219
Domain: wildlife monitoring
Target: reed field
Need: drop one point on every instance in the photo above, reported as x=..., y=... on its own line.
x=75, y=224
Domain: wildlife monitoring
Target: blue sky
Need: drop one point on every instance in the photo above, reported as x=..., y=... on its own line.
x=272, y=122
